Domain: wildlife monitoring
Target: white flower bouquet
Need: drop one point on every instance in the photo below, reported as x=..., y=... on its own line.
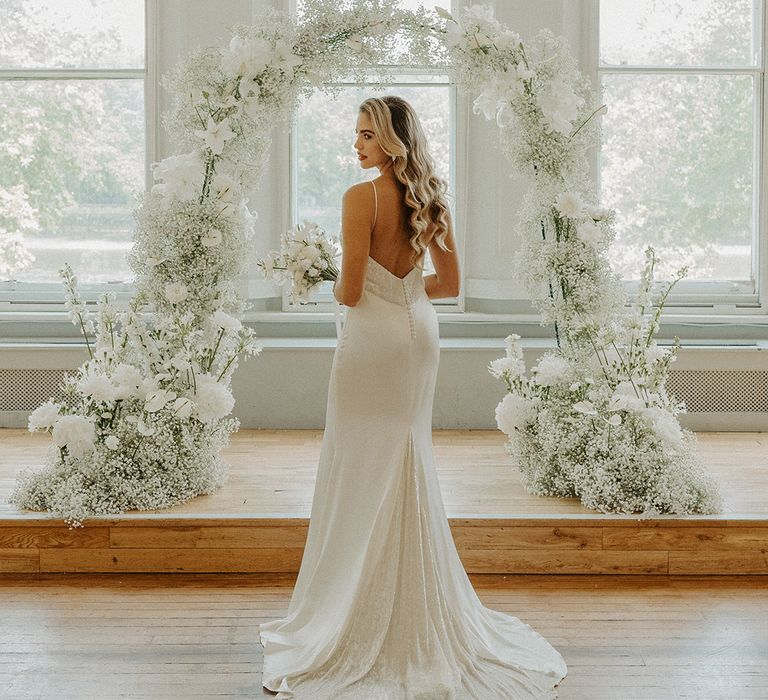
x=307, y=256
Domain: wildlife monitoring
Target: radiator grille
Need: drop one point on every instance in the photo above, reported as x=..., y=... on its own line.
x=721, y=390
x=26, y=389
x=703, y=391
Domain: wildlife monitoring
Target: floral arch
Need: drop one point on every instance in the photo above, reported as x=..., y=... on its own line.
x=142, y=423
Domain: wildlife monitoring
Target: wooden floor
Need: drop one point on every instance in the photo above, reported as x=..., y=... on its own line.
x=273, y=471
x=196, y=636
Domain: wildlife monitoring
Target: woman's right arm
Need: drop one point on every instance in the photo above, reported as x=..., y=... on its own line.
x=445, y=282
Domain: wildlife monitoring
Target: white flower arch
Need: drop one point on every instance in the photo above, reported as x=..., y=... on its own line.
x=594, y=420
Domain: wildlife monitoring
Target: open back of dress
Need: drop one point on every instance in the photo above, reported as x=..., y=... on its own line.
x=382, y=608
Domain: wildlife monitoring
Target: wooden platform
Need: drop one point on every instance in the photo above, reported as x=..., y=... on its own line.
x=258, y=521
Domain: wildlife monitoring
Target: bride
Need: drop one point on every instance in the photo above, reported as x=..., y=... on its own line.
x=382, y=608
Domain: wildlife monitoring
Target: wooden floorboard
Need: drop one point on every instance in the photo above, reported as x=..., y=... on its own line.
x=196, y=636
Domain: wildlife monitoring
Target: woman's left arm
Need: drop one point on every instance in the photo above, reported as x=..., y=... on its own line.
x=356, y=222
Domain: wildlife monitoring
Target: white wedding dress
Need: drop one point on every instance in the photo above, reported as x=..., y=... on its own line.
x=382, y=608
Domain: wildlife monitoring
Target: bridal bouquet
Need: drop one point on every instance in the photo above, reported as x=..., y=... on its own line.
x=307, y=256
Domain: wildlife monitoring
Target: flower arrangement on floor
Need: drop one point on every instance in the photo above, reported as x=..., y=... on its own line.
x=142, y=423
x=307, y=256
x=594, y=419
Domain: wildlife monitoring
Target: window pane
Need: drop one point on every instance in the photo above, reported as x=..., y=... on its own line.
x=72, y=34
x=680, y=32
x=72, y=156
x=677, y=165
x=326, y=161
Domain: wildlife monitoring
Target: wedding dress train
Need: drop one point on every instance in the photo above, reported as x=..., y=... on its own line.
x=382, y=608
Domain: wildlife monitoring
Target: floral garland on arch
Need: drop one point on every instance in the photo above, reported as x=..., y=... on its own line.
x=594, y=419
x=142, y=423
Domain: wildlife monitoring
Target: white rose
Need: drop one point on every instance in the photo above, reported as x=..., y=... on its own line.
x=78, y=434
x=44, y=416
x=310, y=252
x=513, y=413
x=559, y=105
x=183, y=176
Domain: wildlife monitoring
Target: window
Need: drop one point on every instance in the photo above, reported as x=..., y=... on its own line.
x=323, y=160
x=73, y=137
x=681, y=149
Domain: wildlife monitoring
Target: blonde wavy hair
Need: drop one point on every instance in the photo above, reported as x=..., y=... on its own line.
x=401, y=137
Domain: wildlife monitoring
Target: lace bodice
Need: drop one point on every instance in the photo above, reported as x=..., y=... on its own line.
x=382, y=283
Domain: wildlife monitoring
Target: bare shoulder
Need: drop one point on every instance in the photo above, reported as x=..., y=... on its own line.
x=359, y=192
x=358, y=200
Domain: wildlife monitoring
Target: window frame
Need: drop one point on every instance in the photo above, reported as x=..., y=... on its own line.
x=705, y=297
x=17, y=296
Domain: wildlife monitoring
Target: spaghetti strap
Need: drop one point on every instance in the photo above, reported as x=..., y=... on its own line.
x=375, y=205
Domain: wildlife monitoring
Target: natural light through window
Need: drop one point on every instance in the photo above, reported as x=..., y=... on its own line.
x=72, y=137
x=680, y=147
